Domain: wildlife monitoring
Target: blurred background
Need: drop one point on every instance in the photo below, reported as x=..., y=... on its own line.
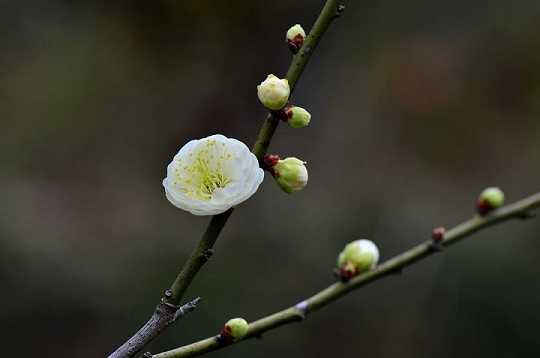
x=417, y=106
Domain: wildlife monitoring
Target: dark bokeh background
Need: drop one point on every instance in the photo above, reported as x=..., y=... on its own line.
x=416, y=105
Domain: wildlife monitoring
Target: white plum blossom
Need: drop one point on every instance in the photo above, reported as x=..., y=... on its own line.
x=210, y=175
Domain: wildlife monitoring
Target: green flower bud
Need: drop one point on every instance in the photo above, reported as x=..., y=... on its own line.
x=295, y=37
x=234, y=329
x=274, y=92
x=297, y=117
x=490, y=199
x=291, y=174
x=358, y=256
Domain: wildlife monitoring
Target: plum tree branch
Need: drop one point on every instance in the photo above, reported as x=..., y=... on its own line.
x=165, y=312
x=517, y=210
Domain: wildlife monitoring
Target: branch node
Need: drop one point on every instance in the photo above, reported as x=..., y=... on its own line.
x=301, y=309
x=207, y=254
x=223, y=340
x=168, y=293
x=168, y=304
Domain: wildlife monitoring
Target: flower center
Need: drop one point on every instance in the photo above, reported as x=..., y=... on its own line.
x=205, y=174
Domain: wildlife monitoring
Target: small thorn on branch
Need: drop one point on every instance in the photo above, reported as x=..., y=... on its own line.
x=188, y=307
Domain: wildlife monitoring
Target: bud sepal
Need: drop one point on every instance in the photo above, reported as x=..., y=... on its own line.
x=295, y=38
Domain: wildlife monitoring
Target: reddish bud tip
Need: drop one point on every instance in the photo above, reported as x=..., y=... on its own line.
x=483, y=207
x=225, y=336
x=437, y=235
x=270, y=161
x=347, y=272
x=295, y=43
x=284, y=114
x=288, y=112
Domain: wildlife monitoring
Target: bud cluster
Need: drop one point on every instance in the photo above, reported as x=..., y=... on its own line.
x=274, y=92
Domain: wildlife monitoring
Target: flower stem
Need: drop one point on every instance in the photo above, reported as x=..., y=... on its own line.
x=518, y=210
x=198, y=257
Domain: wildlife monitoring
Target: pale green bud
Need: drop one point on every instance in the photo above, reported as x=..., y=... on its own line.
x=358, y=256
x=291, y=174
x=298, y=117
x=235, y=329
x=489, y=199
x=274, y=92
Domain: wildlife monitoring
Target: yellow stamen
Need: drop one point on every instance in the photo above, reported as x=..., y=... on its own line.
x=200, y=179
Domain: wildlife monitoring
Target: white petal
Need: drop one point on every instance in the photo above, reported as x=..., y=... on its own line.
x=230, y=158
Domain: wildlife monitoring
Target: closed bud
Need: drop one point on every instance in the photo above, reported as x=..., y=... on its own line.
x=489, y=200
x=234, y=329
x=274, y=92
x=357, y=257
x=437, y=235
x=297, y=117
x=290, y=174
x=295, y=38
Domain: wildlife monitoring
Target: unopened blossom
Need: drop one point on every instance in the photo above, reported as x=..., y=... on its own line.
x=489, y=200
x=295, y=37
x=234, y=329
x=274, y=92
x=297, y=117
x=210, y=175
x=358, y=256
x=290, y=173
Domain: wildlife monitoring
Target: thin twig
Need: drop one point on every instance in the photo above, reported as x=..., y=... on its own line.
x=296, y=313
x=200, y=255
